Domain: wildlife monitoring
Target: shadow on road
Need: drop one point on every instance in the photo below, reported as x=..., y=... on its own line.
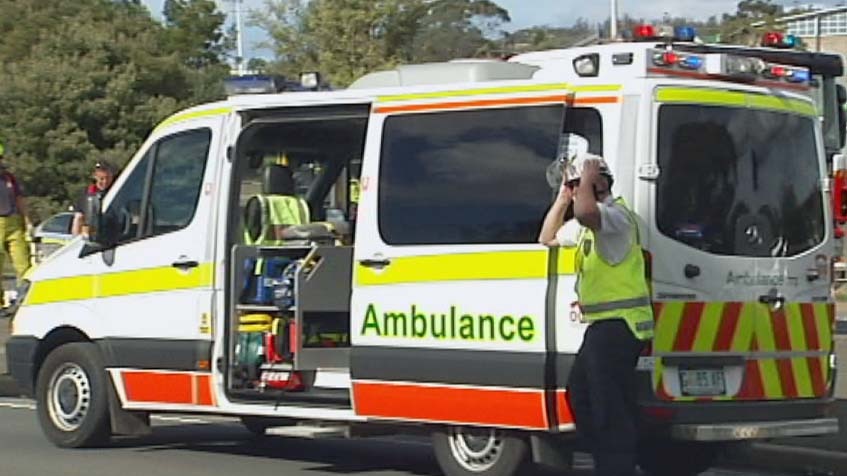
x=329, y=455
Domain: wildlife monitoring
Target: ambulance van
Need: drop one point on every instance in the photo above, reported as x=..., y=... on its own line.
x=365, y=261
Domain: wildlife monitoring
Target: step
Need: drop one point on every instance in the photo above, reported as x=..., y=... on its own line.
x=310, y=431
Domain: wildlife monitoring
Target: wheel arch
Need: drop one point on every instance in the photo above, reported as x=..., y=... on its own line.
x=53, y=340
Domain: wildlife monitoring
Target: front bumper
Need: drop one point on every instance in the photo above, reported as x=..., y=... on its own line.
x=754, y=430
x=20, y=360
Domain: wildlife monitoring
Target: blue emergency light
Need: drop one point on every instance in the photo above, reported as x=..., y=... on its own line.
x=684, y=33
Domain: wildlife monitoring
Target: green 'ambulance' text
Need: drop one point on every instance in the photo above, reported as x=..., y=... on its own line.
x=452, y=325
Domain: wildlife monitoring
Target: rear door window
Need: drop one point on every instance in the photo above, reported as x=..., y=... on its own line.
x=738, y=181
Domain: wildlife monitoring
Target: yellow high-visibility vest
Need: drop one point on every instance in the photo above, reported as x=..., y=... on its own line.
x=614, y=292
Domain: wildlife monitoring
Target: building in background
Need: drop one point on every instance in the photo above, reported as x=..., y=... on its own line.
x=821, y=30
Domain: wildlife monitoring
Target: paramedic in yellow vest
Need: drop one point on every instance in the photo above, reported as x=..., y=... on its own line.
x=613, y=299
x=13, y=221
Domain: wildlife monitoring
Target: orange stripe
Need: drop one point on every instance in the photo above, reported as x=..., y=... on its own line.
x=204, y=390
x=691, y=314
x=182, y=388
x=472, y=104
x=657, y=311
x=813, y=343
x=729, y=323
x=482, y=406
x=563, y=408
x=578, y=101
x=152, y=387
x=783, y=342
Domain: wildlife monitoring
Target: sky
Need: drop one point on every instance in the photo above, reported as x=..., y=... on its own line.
x=526, y=13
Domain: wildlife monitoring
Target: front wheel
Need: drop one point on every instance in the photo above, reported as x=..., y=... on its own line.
x=72, y=397
x=482, y=452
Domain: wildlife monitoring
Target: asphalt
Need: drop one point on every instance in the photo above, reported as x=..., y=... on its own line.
x=812, y=455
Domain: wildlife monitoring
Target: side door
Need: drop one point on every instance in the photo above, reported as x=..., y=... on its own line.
x=154, y=289
x=450, y=307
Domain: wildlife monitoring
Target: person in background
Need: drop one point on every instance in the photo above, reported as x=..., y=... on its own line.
x=614, y=299
x=14, y=222
x=103, y=177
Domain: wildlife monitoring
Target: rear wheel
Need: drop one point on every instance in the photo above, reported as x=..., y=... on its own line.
x=666, y=457
x=464, y=451
x=72, y=397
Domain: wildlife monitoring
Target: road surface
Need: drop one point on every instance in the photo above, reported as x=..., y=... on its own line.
x=214, y=446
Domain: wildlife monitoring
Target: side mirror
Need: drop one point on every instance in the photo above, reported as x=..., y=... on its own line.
x=839, y=188
x=94, y=220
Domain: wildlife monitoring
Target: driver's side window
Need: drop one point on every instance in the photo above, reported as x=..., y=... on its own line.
x=167, y=182
x=123, y=216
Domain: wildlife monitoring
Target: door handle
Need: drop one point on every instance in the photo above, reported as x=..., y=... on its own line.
x=185, y=264
x=774, y=300
x=375, y=263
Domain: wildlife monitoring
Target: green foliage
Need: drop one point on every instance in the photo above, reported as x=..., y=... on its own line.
x=347, y=38
x=87, y=80
x=739, y=28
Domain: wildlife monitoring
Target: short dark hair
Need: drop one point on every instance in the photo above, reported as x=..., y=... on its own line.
x=105, y=167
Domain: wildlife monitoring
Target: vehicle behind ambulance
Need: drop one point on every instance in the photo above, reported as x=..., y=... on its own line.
x=364, y=262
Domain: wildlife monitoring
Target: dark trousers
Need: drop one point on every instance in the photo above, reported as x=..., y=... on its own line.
x=603, y=396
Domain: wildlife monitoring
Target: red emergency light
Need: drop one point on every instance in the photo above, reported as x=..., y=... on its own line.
x=775, y=39
x=644, y=32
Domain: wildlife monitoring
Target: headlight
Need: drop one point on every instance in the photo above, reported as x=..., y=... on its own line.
x=22, y=291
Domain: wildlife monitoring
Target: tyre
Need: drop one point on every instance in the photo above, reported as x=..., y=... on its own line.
x=72, y=399
x=666, y=457
x=483, y=452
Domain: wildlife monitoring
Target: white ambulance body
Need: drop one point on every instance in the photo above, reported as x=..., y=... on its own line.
x=431, y=306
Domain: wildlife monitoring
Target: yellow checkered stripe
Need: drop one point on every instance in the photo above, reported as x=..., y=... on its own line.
x=786, y=351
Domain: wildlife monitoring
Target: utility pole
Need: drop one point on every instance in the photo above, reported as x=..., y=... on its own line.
x=239, y=42
x=239, y=36
x=613, y=20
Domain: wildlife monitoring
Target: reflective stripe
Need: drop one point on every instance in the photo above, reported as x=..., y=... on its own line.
x=529, y=88
x=165, y=278
x=615, y=305
x=465, y=267
x=187, y=116
x=720, y=97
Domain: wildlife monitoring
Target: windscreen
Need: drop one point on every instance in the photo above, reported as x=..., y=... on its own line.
x=739, y=181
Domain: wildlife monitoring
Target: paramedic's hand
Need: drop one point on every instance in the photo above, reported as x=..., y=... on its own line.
x=565, y=196
x=590, y=172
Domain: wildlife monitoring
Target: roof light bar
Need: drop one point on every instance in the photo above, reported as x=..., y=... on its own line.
x=647, y=32
x=741, y=68
x=669, y=58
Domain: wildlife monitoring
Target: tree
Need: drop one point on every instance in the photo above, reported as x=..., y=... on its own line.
x=345, y=39
x=738, y=28
x=85, y=81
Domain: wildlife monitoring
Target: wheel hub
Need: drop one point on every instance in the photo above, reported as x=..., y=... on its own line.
x=68, y=397
x=475, y=450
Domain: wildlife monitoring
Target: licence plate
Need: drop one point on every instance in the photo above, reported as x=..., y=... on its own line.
x=702, y=382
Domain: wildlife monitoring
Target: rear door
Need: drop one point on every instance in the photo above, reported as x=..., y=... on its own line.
x=449, y=315
x=740, y=247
